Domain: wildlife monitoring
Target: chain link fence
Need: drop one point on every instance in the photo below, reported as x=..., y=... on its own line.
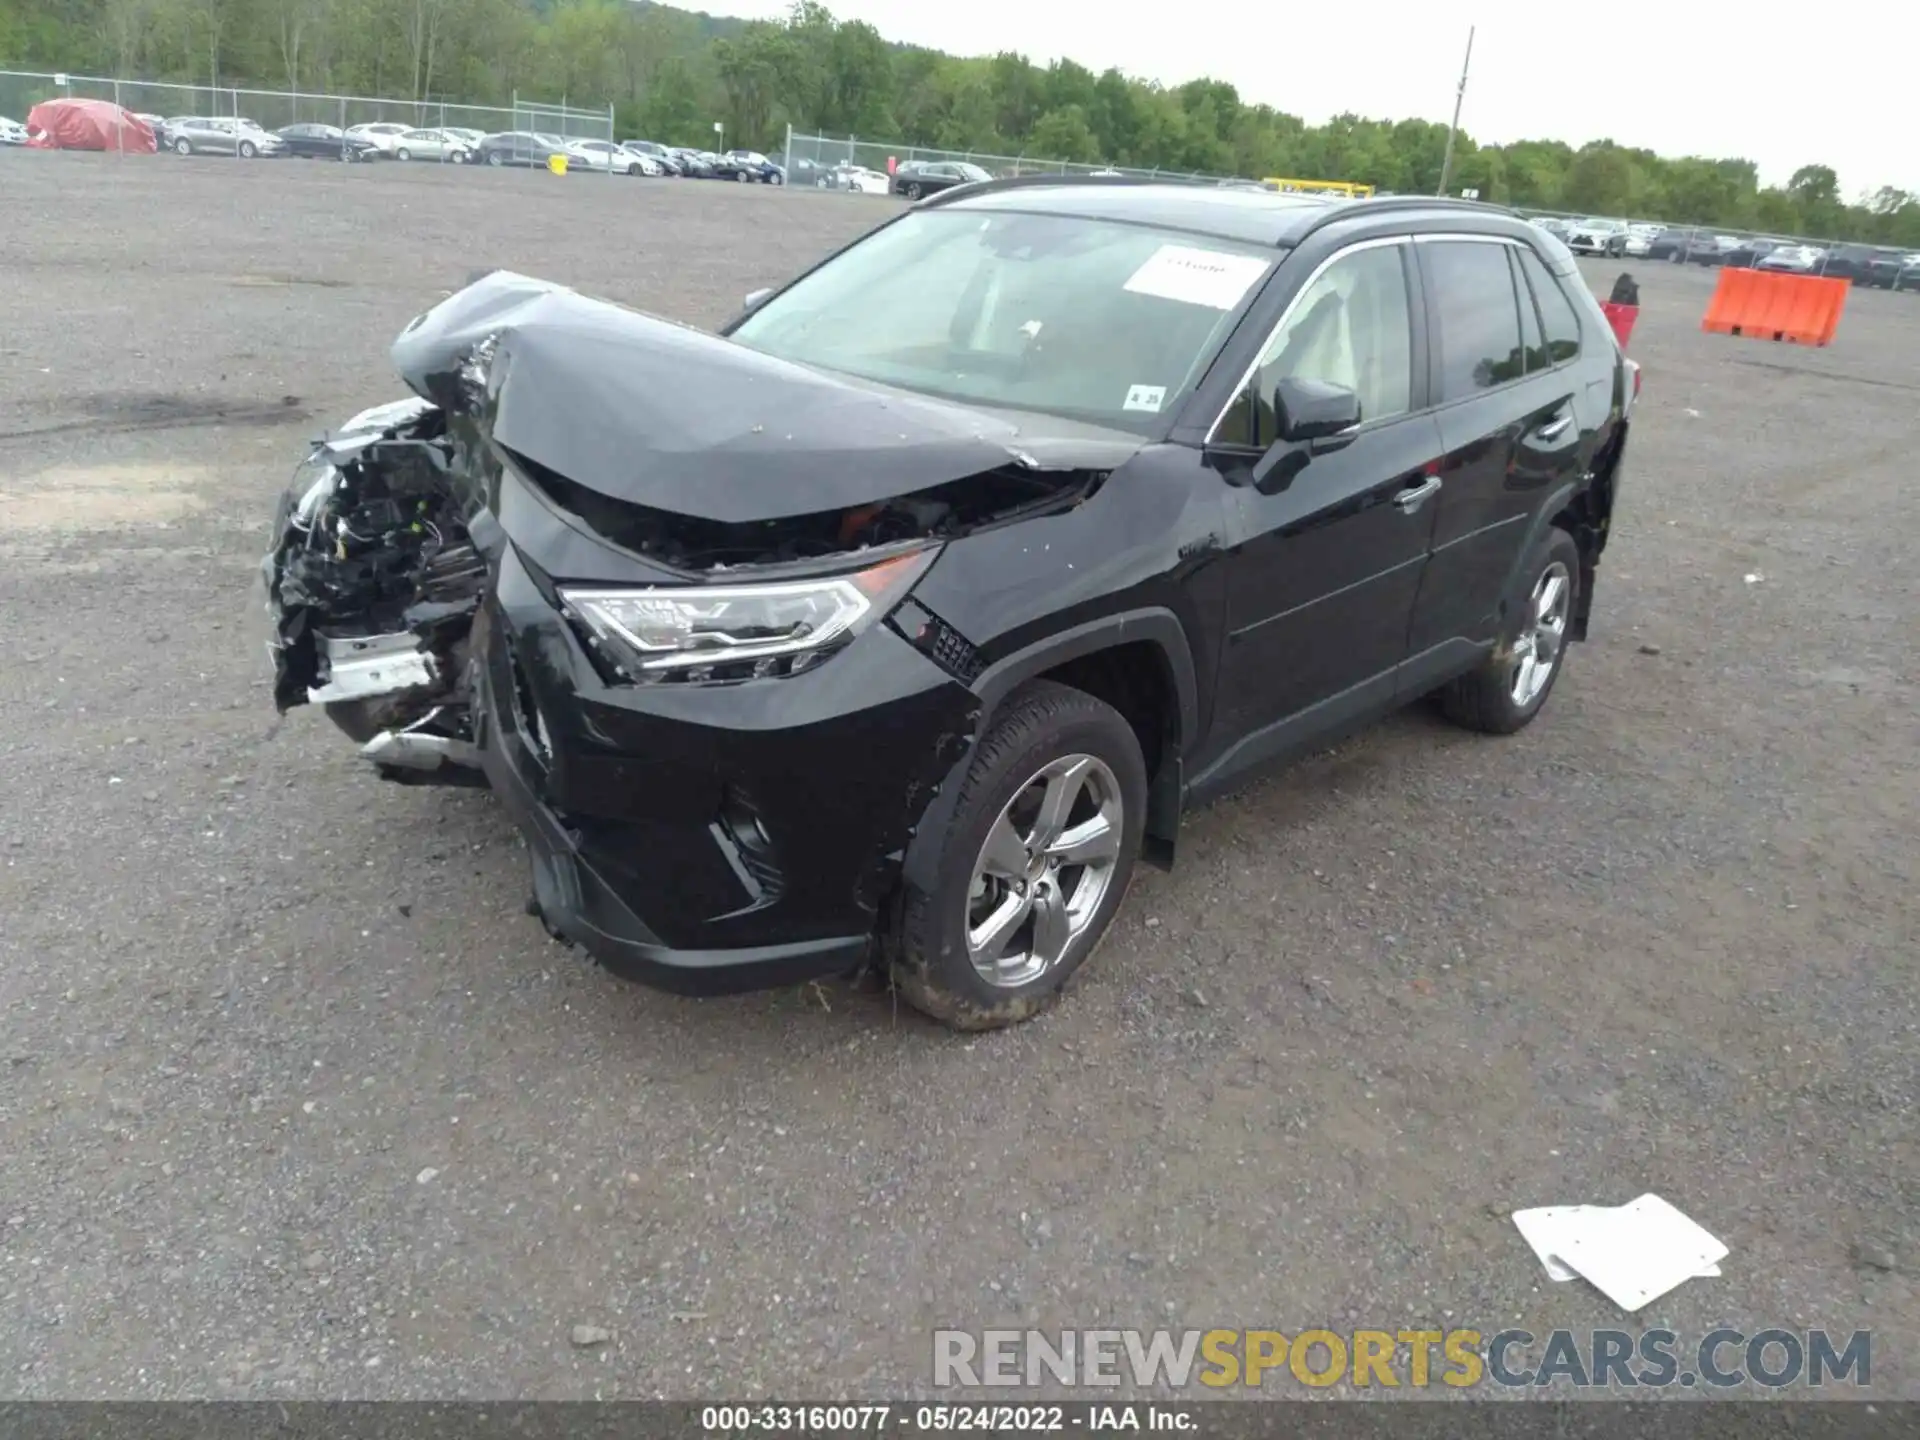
x=21, y=90
x=850, y=164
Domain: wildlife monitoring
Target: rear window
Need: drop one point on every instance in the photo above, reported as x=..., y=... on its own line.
x=1558, y=319
x=1480, y=344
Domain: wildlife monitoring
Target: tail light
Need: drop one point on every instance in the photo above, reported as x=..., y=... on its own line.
x=1633, y=369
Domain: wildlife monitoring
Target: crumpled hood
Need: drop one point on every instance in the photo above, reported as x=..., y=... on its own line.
x=645, y=410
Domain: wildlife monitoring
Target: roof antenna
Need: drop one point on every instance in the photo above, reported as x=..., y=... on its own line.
x=1446, y=160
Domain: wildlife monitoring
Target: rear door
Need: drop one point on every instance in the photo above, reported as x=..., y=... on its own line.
x=1508, y=430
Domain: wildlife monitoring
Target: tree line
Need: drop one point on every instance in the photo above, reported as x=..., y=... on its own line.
x=669, y=74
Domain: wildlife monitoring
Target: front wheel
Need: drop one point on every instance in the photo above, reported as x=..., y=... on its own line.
x=403, y=153
x=247, y=150
x=913, y=191
x=1034, y=866
x=741, y=176
x=182, y=146
x=1512, y=684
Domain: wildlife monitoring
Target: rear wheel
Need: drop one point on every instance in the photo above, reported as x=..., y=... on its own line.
x=1035, y=864
x=1512, y=684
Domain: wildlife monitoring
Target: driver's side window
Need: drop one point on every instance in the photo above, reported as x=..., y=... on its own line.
x=1352, y=326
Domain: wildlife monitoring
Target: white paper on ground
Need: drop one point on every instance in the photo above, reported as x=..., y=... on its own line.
x=1633, y=1254
x=1197, y=277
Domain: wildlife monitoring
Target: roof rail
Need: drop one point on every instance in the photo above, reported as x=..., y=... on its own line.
x=1029, y=182
x=1376, y=204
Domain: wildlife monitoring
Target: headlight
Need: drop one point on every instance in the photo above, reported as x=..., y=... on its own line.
x=738, y=632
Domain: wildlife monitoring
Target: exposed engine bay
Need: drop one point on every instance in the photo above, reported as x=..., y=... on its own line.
x=374, y=577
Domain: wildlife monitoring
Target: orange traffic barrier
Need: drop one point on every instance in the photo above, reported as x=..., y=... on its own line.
x=1772, y=305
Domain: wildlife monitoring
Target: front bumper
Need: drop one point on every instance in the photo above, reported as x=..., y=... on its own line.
x=708, y=839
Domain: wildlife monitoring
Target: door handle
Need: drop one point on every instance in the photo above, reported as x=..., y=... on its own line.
x=1553, y=429
x=1412, y=499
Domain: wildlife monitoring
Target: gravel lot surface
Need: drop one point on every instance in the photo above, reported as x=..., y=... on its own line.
x=295, y=1101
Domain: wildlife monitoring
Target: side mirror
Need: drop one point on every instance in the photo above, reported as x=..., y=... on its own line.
x=1308, y=410
x=1313, y=417
x=757, y=298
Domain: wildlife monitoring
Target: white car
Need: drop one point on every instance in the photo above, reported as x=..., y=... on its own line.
x=605, y=155
x=1641, y=237
x=1597, y=236
x=432, y=145
x=12, y=132
x=472, y=138
x=860, y=180
x=383, y=133
x=1795, y=259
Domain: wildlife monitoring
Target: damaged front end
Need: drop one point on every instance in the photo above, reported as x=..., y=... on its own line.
x=654, y=589
x=372, y=584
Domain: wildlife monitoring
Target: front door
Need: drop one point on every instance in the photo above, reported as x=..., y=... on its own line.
x=1323, y=572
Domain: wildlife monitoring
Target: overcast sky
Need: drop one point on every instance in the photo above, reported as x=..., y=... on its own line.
x=1782, y=84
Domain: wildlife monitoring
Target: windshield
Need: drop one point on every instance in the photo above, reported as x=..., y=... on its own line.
x=1092, y=320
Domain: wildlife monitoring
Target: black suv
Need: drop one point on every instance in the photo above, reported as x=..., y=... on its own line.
x=894, y=622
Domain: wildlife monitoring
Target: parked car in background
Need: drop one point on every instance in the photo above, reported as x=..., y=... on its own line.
x=1793, y=259
x=12, y=132
x=668, y=162
x=440, y=145
x=384, y=133
x=1640, y=238
x=757, y=167
x=1673, y=243
x=607, y=157
x=802, y=170
x=929, y=177
x=517, y=147
x=1554, y=225
x=861, y=180
x=1894, y=270
x=1597, y=236
x=1745, y=254
x=220, y=135
x=693, y=163
x=326, y=142
x=1850, y=262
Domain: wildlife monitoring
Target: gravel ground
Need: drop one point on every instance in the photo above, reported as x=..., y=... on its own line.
x=294, y=1101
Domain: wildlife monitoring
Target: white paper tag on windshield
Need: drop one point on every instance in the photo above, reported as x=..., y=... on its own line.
x=1145, y=397
x=1197, y=277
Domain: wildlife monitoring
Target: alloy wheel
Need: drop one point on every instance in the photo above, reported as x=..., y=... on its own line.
x=1045, y=866
x=1537, y=650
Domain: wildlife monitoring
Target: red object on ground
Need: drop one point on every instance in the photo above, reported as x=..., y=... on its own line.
x=88, y=125
x=1621, y=317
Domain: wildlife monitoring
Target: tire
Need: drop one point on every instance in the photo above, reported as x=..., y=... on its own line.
x=495, y=158
x=182, y=146
x=1096, y=765
x=913, y=191
x=403, y=153
x=247, y=150
x=741, y=176
x=1492, y=699
x=633, y=169
x=775, y=180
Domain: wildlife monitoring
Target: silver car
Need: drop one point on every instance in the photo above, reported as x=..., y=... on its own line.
x=220, y=135
x=432, y=145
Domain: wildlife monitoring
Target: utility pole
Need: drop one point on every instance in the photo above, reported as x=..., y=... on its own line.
x=1460, y=95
